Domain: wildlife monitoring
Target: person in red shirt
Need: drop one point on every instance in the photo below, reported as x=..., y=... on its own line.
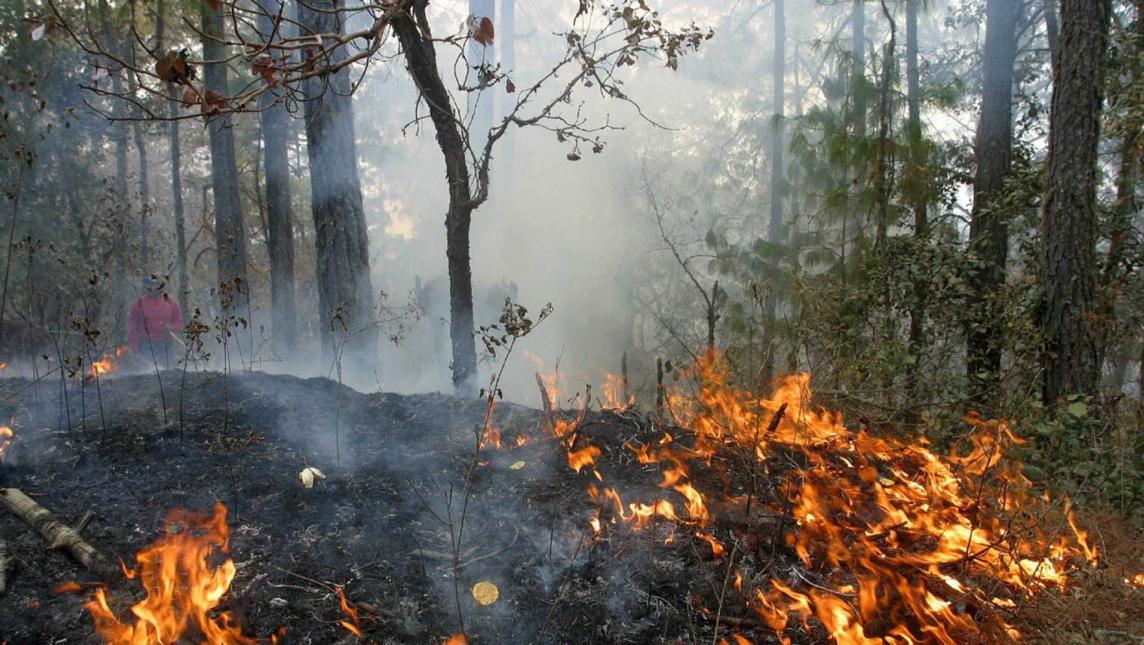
x=155, y=322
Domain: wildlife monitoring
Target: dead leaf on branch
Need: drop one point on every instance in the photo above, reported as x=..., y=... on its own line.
x=174, y=68
x=213, y=103
x=267, y=68
x=481, y=30
x=190, y=97
x=40, y=26
x=509, y=86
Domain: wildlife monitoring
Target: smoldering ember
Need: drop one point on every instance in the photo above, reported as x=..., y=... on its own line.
x=783, y=321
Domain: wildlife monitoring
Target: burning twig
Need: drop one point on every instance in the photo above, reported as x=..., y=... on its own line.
x=58, y=534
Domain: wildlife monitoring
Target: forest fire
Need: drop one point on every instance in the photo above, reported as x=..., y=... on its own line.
x=904, y=540
x=183, y=588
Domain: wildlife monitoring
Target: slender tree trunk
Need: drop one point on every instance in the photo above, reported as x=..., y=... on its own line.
x=1126, y=206
x=1070, y=364
x=858, y=94
x=176, y=165
x=778, y=167
x=918, y=186
x=421, y=59
x=1052, y=29
x=145, y=200
x=280, y=221
x=989, y=229
x=177, y=197
x=230, y=232
x=119, y=217
x=345, y=292
x=883, y=180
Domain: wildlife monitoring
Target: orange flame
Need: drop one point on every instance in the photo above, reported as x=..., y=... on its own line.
x=106, y=364
x=900, y=533
x=6, y=436
x=353, y=625
x=457, y=639
x=183, y=588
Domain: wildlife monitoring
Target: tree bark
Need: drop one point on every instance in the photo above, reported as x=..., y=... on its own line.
x=176, y=165
x=1052, y=29
x=412, y=29
x=280, y=221
x=989, y=229
x=144, y=199
x=778, y=168
x=918, y=185
x=119, y=218
x=858, y=93
x=1124, y=210
x=230, y=232
x=345, y=293
x=1069, y=255
x=177, y=197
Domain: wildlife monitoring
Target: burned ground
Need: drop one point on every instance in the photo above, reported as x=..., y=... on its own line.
x=376, y=524
x=604, y=526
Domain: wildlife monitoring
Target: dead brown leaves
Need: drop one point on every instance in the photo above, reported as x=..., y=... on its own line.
x=481, y=30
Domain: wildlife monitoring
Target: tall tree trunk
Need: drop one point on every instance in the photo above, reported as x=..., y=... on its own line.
x=280, y=223
x=176, y=165
x=119, y=217
x=412, y=30
x=778, y=181
x=345, y=293
x=989, y=229
x=177, y=197
x=1070, y=364
x=883, y=179
x=858, y=94
x=1052, y=29
x=1126, y=206
x=230, y=232
x=918, y=191
x=145, y=200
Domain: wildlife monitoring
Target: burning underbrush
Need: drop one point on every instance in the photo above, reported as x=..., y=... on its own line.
x=725, y=518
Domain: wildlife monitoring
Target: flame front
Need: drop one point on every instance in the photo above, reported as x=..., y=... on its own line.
x=183, y=589
x=897, y=535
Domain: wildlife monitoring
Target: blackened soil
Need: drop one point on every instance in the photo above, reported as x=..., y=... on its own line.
x=379, y=524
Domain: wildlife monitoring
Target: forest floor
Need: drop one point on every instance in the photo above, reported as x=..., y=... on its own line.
x=378, y=525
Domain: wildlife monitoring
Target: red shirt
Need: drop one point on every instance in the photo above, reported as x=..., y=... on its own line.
x=154, y=318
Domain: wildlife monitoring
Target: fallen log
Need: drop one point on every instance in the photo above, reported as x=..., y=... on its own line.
x=59, y=535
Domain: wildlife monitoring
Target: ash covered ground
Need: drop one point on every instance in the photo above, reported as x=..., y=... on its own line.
x=376, y=524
